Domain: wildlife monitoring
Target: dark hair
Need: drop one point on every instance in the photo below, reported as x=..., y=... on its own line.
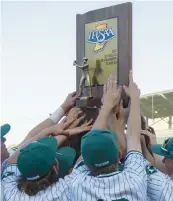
x=143, y=127
x=75, y=141
x=104, y=170
x=33, y=187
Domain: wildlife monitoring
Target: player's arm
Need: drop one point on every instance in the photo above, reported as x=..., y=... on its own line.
x=146, y=152
x=53, y=130
x=111, y=98
x=54, y=118
x=60, y=131
x=134, y=163
x=157, y=159
x=134, y=120
x=118, y=126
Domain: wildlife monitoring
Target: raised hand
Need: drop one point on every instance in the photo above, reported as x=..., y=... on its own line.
x=152, y=137
x=74, y=113
x=111, y=93
x=79, y=130
x=77, y=114
x=121, y=112
x=69, y=102
x=77, y=121
x=132, y=90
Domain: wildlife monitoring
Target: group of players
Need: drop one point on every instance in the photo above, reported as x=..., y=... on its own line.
x=111, y=162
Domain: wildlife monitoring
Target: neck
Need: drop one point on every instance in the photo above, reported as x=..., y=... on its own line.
x=171, y=174
x=2, y=159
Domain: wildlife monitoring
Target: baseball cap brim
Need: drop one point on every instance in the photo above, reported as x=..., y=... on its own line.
x=156, y=149
x=65, y=157
x=5, y=129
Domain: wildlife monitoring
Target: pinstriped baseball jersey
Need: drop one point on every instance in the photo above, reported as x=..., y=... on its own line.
x=130, y=184
x=159, y=187
x=56, y=192
x=3, y=165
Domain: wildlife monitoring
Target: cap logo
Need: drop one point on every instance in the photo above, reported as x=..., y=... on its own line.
x=171, y=152
x=59, y=154
x=102, y=164
x=33, y=178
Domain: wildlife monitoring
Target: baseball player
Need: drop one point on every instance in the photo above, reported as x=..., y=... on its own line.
x=4, y=129
x=160, y=185
x=54, y=118
x=35, y=171
x=98, y=177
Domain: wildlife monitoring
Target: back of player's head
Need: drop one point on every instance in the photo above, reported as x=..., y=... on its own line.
x=100, y=150
x=41, y=164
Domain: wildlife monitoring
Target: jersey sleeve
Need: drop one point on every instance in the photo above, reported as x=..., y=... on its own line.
x=135, y=164
x=10, y=170
x=9, y=179
x=159, y=186
x=79, y=168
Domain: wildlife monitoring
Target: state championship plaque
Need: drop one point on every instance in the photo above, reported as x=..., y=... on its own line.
x=104, y=47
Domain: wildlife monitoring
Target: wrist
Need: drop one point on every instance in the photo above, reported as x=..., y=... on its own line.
x=61, y=139
x=57, y=115
x=106, y=109
x=65, y=108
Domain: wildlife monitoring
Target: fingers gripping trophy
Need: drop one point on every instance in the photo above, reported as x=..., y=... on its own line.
x=85, y=77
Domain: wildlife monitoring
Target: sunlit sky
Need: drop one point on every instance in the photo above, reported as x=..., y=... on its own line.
x=39, y=47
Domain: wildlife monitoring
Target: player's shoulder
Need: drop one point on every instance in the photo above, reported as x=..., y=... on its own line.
x=134, y=158
x=159, y=186
x=155, y=175
x=79, y=167
x=10, y=170
x=134, y=155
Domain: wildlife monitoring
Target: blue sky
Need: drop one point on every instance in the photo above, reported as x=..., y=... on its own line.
x=39, y=46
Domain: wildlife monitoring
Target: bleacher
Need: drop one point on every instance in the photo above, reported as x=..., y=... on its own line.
x=158, y=109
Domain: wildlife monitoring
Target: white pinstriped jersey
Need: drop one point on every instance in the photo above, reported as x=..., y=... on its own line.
x=131, y=183
x=57, y=192
x=159, y=187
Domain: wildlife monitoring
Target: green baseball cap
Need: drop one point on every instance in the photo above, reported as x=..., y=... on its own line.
x=99, y=148
x=37, y=158
x=165, y=149
x=5, y=129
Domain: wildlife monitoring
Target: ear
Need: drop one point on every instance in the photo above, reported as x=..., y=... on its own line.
x=120, y=155
x=55, y=168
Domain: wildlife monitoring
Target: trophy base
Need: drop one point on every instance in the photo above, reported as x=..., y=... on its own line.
x=90, y=106
x=85, y=98
x=87, y=101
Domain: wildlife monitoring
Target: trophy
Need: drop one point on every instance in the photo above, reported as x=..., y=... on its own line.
x=103, y=47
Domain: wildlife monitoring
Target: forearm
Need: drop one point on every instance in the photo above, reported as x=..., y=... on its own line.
x=51, y=121
x=147, y=154
x=60, y=139
x=45, y=124
x=118, y=128
x=102, y=120
x=134, y=126
x=13, y=157
x=43, y=133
